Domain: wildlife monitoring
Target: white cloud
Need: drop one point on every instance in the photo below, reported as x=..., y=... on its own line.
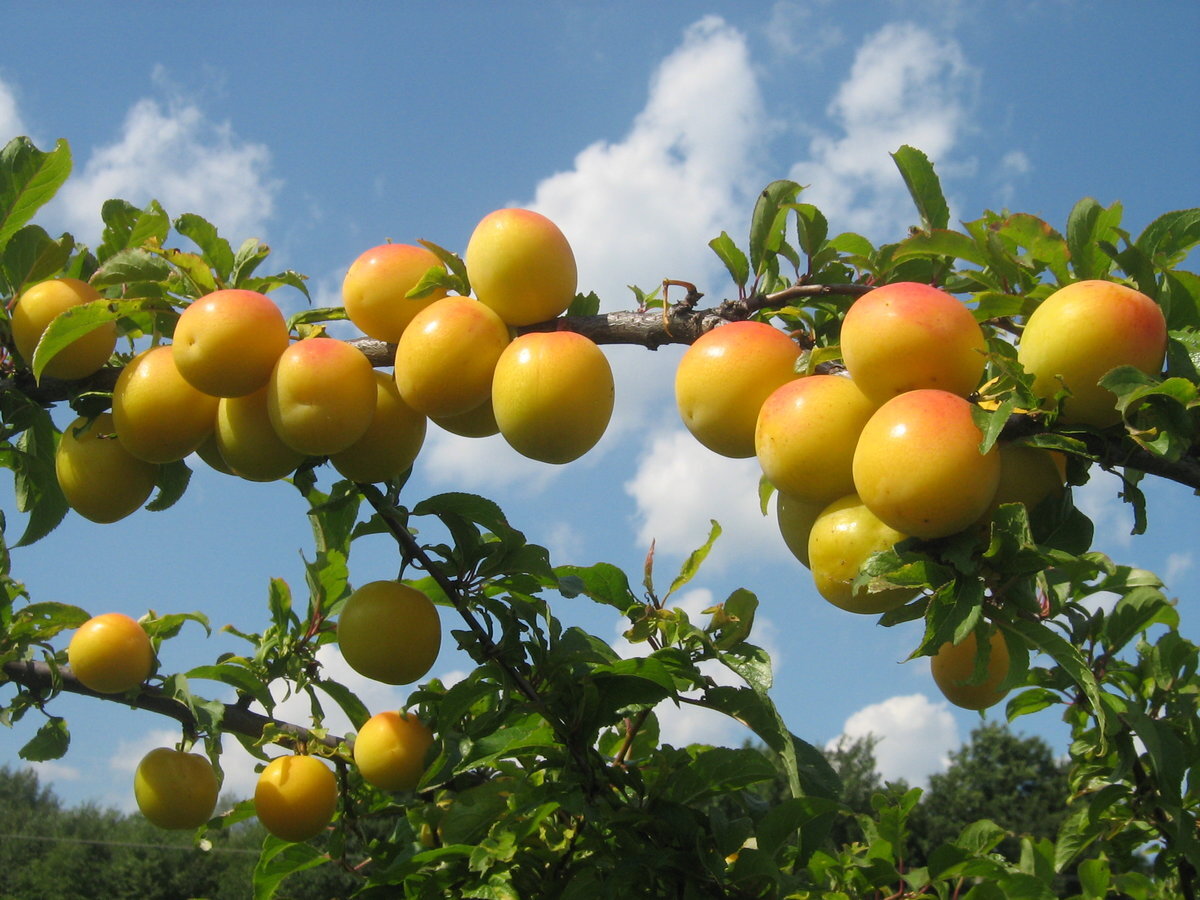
x=680, y=485
x=10, y=117
x=644, y=208
x=906, y=86
x=637, y=211
x=1177, y=565
x=793, y=31
x=55, y=770
x=171, y=151
x=915, y=736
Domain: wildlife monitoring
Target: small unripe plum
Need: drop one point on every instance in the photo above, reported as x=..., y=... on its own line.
x=1028, y=475
x=795, y=519
x=248, y=442
x=295, y=797
x=375, y=288
x=953, y=667
x=521, y=265
x=39, y=305
x=321, y=396
x=227, y=342
x=389, y=632
x=101, y=480
x=390, y=749
x=391, y=442
x=476, y=423
x=806, y=433
x=907, y=335
x=724, y=378
x=175, y=789
x=844, y=535
x=918, y=467
x=552, y=395
x=1081, y=332
x=110, y=653
x=446, y=356
x=158, y=415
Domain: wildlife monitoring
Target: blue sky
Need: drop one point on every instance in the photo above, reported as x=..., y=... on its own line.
x=643, y=130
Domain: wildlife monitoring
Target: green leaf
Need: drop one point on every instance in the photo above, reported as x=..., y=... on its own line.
x=923, y=186
x=32, y=256
x=692, y=564
x=718, y=770
x=132, y=265
x=238, y=677
x=768, y=222
x=34, y=480
x=734, y=259
x=454, y=265
x=278, y=860
x=1168, y=238
x=215, y=249
x=50, y=741
x=1087, y=226
x=602, y=582
x=812, y=229
x=938, y=243
x=529, y=734
x=249, y=257
x=172, y=482
x=29, y=177
x=1039, y=635
x=584, y=305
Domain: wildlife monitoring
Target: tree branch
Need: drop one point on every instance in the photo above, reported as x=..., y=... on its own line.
x=40, y=678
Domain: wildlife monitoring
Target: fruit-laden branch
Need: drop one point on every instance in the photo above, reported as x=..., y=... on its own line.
x=1117, y=451
x=40, y=678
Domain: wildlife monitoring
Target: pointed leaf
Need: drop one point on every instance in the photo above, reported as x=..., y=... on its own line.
x=216, y=250
x=734, y=259
x=923, y=186
x=768, y=222
x=692, y=564
x=29, y=177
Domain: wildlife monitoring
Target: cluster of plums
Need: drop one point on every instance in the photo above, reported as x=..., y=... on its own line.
x=890, y=449
x=234, y=387
x=387, y=631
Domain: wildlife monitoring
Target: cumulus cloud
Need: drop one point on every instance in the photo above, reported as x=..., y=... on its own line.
x=680, y=485
x=906, y=86
x=173, y=152
x=643, y=208
x=915, y=736
x=10, y=116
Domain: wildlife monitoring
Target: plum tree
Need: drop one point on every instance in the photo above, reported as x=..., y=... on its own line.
x=540, y=769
